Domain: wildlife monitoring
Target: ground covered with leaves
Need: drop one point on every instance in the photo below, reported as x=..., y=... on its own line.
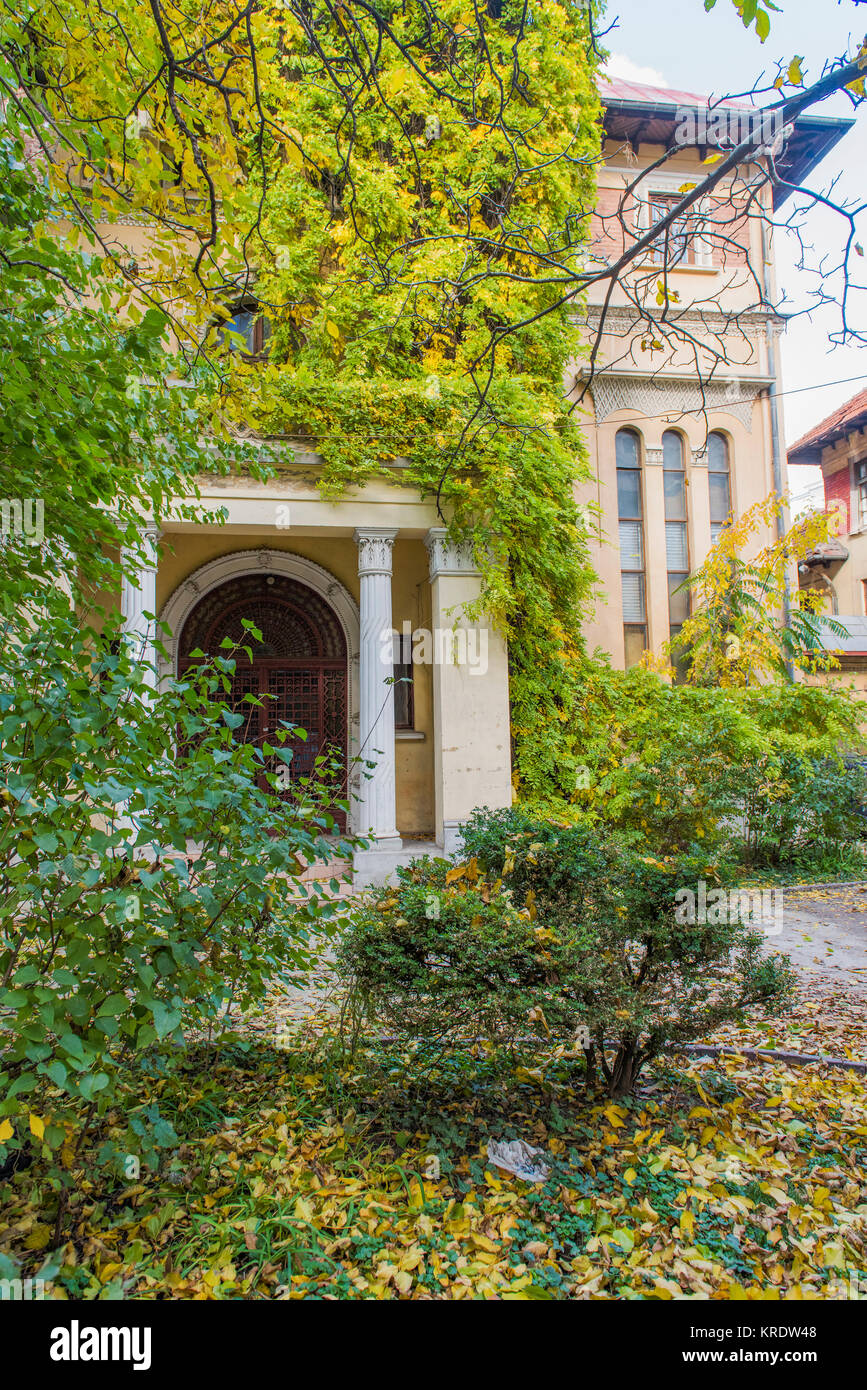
x=302, y=1172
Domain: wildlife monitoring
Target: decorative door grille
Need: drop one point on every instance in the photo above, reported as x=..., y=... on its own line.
x=298, y=670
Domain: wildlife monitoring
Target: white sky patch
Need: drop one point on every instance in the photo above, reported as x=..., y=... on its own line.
x=619, y=65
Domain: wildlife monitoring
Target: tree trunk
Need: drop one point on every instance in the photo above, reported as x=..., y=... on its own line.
x=624, y=1070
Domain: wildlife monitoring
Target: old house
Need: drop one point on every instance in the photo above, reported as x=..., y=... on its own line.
x=680, y=436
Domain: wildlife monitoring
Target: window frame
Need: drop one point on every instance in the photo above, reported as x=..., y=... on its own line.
x=859, y=470
x=257, y=341
x=716, y=526
x=630, y=626
x=658, y=202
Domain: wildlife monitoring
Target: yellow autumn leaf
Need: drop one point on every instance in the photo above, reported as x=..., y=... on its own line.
x=6, y=1130
x=38, y=1238
x=794, y=73
x=37, y=1126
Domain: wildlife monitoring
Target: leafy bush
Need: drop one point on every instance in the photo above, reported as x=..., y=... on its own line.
x=141, y=891
x=554, y=928
x=797, y=809
x=755, y=774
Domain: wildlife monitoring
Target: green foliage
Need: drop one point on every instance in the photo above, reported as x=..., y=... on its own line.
x=743, y=629
x=90, y=429
x=389, y=281
x=754, y=772
x=555, y=929
x=141, y=891
x=411, y=235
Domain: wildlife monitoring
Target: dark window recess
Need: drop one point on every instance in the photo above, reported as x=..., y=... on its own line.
x=249, y=322
x=404, y=685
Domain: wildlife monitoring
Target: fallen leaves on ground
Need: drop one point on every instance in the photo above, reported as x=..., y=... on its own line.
x=303, y=1175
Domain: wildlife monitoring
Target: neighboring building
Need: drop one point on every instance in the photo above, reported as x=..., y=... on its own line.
x=838, y=569
x=323, y=578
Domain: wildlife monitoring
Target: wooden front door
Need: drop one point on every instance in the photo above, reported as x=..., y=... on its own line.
x=297, y=671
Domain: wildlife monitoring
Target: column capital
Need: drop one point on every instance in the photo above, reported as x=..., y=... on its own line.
x=374, y=548
x=445, y=557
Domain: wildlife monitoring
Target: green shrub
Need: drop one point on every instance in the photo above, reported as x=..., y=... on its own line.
x=797, y=809
x=141, y=891
x=554, y=929
x=755, y=774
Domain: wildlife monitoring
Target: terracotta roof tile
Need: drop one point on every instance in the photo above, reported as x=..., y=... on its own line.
x=846, y=417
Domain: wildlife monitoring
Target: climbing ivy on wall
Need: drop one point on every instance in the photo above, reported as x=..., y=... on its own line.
x=383, y=308
x=385, y=180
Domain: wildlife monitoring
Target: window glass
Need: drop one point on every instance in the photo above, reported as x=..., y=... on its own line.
x=633, y=598
x=720, y=497
x=634, y=643
x=672, y=450
x=717, y=453
x=676, y=549
x=674, y=489
x=631, y=536
x=626, y=449
x=678, y=600
x=631, y=546
x=628, y=492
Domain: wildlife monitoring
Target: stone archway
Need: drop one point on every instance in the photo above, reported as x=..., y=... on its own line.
x=306, y=663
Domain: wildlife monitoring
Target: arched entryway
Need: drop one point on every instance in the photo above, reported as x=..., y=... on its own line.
x=299, y=669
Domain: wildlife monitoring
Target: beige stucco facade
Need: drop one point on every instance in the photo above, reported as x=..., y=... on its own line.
x=678, y=388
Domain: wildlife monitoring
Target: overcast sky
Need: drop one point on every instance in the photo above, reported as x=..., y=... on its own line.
x=677, y=44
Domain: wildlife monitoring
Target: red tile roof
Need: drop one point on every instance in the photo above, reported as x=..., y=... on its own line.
x=846, y=417
x=637, y=111
x=618, y=89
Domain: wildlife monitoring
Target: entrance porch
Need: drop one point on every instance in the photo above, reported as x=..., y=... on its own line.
x=366, y=645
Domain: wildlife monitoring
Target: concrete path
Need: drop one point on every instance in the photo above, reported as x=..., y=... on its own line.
x=824, y=931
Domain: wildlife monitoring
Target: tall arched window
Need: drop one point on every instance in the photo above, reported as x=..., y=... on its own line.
x=630, y=512
x=676, y=534
x=719, y=483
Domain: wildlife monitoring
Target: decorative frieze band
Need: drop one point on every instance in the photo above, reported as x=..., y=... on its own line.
x=657, y=396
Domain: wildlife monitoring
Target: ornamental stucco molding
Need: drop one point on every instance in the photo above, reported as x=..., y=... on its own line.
x=447, y=558
x=621, y=320
x=375, y=544
x=657, y=396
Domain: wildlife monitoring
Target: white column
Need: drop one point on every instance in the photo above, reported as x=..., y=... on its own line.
x=472, y=756
x=376, y=813
x=138, y=601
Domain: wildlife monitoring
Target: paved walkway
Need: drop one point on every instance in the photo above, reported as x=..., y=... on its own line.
x=824, y=931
